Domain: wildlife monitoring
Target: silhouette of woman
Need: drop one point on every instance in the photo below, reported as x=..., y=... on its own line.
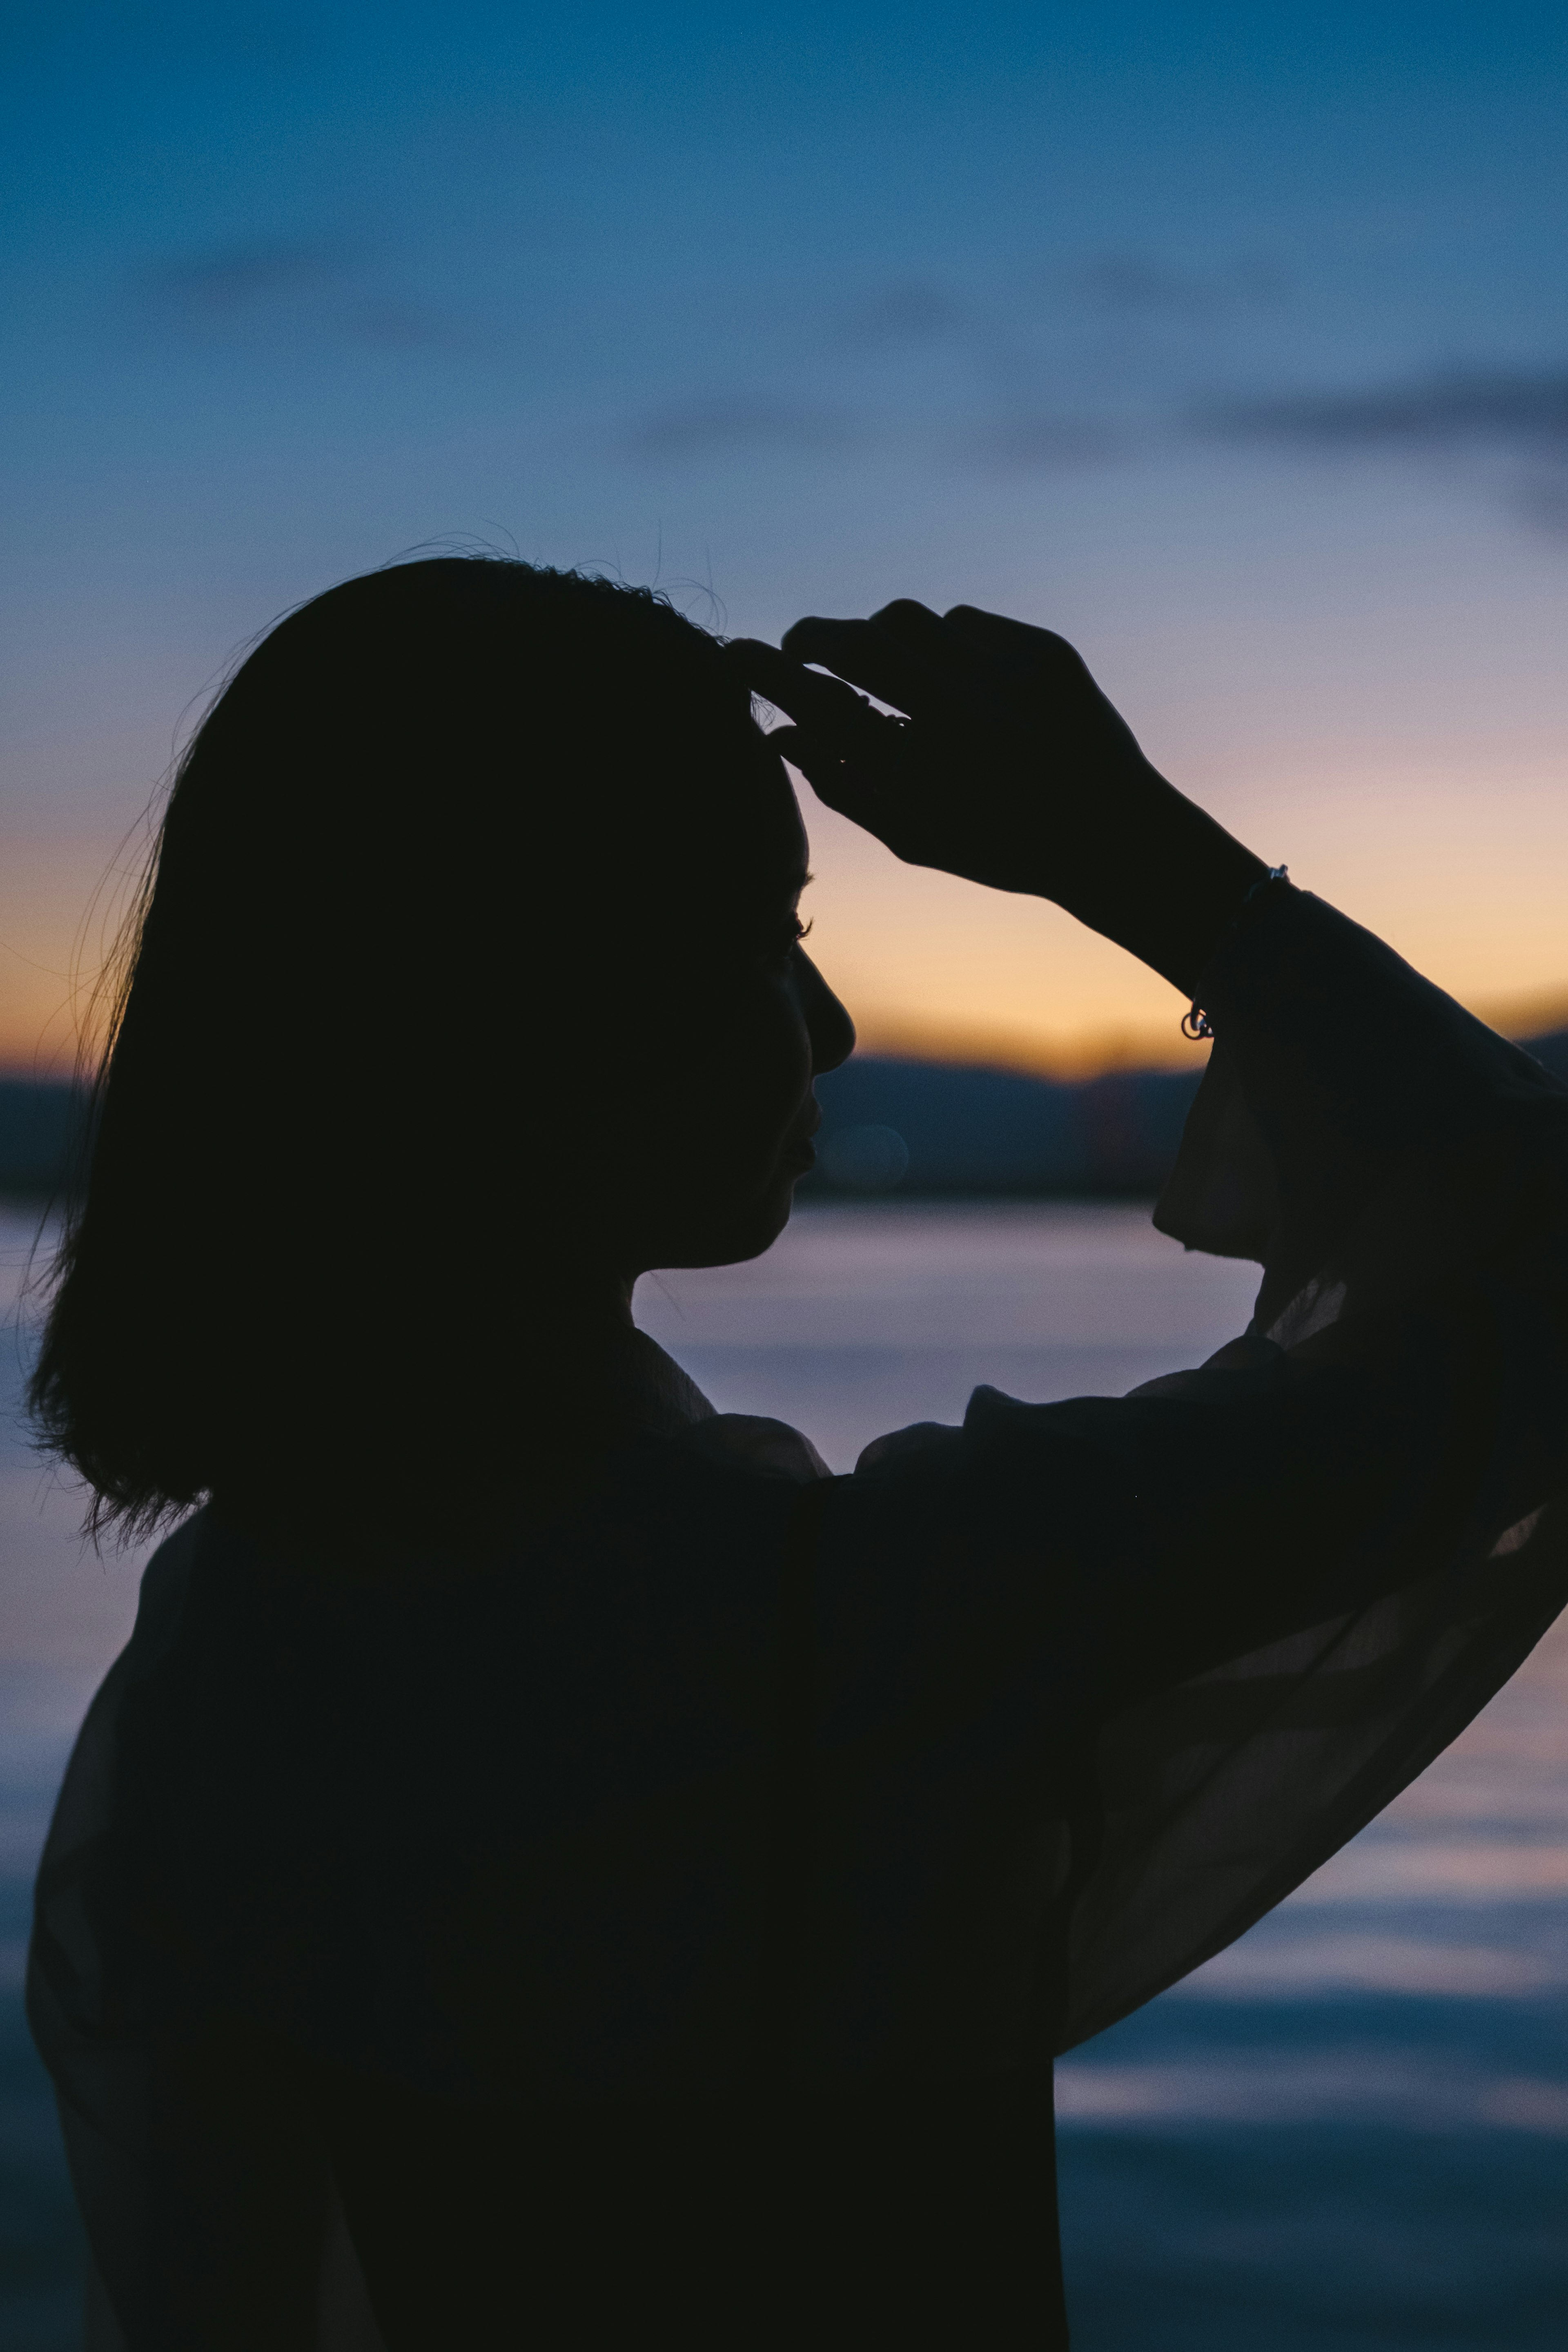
x=553, y=1865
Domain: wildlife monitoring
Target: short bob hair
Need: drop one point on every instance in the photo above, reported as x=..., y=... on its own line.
x=410, y=859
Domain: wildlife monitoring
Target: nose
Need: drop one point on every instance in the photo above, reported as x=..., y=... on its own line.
x=828, y=1026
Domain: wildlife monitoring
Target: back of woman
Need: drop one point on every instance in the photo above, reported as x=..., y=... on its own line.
x=551, y=1860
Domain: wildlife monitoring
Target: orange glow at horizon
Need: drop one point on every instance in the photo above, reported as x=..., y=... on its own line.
x=62, y=904
x=1466, y=875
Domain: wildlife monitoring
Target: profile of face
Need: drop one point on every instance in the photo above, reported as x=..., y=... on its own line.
x=474, y=913
x=720, y=1048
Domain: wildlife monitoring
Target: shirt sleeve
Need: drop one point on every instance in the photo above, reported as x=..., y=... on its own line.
x=1179, y=1646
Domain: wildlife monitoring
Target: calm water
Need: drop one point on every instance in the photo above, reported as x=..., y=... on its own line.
x=1348, y=2131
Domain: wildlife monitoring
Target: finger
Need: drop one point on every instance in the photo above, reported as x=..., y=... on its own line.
x=796, y=691
x=786, y=741
x=1015, y=646
x=759, y=664
x=914, y=627
x=768, y=671
x=871, y=656
x=827, y=705
x=840, y=789
x=954, y=662
x=846, y=785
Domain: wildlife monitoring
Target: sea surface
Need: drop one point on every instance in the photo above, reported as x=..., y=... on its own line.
x=1348, y=2131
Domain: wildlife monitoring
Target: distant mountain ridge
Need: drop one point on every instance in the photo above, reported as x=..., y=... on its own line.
x=37, y=1122
x=967, y=1132
x=935, y=1128
x=889, y=1125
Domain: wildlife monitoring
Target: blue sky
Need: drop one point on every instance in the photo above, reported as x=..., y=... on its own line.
x=1231, y=343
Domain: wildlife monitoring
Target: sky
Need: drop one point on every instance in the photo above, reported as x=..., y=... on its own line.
x=1230, y=342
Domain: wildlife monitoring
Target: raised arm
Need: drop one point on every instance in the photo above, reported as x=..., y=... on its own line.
x=1008, y=767
x=1237, y=1611
x=1357, y=1133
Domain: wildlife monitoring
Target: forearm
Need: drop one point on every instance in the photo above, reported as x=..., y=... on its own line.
x=1013, y=771
x=1157, y=874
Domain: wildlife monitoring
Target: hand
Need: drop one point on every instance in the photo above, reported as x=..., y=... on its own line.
x=1009, y=767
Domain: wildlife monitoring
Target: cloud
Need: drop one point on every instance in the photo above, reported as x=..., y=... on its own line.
x=911, y=313
x=395, y=326
x=737, y=422
x=1025, y=443
x=230, y=279
x=1131, y=281
x=291, y=287
x=1131, y=284
x=1508, y=427
x=1518, y=411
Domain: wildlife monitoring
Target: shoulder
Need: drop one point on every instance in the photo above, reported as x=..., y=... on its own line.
x=751, y=1443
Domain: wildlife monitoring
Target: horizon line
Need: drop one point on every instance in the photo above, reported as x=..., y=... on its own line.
x=1097, y=1052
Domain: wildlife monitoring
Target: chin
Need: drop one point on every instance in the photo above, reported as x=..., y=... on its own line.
x=730, y=1238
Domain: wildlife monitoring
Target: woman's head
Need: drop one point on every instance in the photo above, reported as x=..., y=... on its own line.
x=467, y=983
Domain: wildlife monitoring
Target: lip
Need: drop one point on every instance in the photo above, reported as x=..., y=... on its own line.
x=801, y=1153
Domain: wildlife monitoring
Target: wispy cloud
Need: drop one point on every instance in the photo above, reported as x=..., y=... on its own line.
x=1026, y=443
x=1509, y=426
x=912, y=312
x=290, y=289
x=228, y=279
x=741, y=423
x=1496, y=410
x=1134, y=284
x=1078, y=363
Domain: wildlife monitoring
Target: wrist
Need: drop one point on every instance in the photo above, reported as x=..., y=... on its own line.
x=1164, y=880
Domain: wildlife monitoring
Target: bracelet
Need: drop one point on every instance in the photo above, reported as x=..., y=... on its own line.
x=1196, y=1024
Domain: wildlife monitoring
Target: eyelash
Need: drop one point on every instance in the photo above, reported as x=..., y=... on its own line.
x=798, y=930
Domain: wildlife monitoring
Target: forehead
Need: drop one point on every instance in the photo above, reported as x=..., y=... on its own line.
x=762, y=842
x=786, y=827
x=739, y=861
